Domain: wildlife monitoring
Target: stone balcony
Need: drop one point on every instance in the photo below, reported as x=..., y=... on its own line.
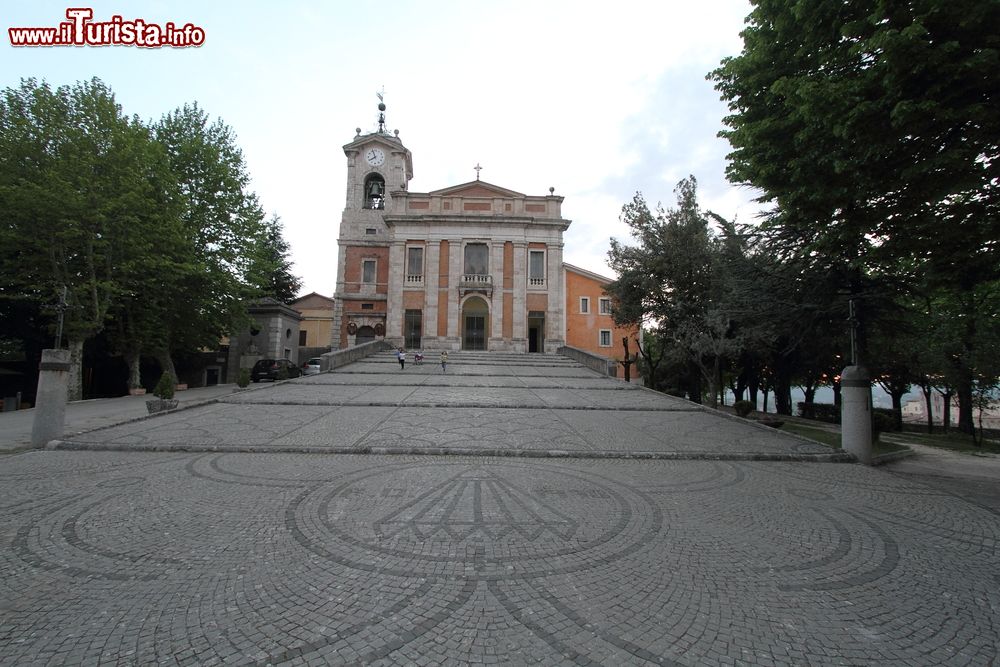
x=475, y=282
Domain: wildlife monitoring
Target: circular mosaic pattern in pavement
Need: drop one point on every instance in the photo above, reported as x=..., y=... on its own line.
x=472, y=522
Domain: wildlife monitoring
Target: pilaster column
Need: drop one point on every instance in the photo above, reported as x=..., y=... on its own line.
x=496, y=302
x=394, y=303
x=432, y=259
x=338, y=298
x=520, y=330
x=556, y=331
x=454, y=276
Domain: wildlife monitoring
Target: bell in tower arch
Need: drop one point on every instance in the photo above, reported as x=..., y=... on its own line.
x=375, y=192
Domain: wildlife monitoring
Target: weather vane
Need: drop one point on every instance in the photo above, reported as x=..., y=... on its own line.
x=381, y=110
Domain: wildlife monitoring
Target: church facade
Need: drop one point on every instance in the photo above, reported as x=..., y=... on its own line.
x=474, y=266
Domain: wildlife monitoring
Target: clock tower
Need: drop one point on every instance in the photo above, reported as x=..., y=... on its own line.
x=378, y=165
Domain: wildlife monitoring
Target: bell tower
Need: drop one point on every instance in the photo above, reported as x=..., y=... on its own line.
x=377, y=166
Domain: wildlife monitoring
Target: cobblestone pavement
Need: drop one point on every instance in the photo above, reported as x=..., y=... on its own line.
x=485, y=404
x=201, y=558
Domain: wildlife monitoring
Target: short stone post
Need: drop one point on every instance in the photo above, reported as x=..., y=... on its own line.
x=856, y=413
x=50, y=402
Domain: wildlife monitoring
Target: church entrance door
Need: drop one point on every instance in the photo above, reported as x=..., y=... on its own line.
x=536, y=331
x=474, y=319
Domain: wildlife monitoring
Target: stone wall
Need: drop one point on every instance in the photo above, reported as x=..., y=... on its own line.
x=339, y=358
x=592, y=361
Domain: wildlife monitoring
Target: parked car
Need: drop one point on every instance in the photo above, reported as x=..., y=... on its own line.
x=311, y=366
x=271, y=369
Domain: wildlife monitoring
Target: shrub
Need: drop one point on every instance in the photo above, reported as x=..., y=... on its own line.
x=824, y=412
x=743, y=408
x=881, y=421
x=243, y=379
x=165, y=387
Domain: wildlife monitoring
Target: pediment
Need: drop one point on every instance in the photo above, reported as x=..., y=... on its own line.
x=476, y=189
x=387, y=141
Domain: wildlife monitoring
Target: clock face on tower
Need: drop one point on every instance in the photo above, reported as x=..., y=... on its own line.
x=375, y=157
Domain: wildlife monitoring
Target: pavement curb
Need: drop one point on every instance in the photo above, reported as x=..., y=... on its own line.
x=889, y=457
x=832, y=457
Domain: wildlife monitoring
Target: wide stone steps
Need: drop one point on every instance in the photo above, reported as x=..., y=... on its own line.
x=467, y=358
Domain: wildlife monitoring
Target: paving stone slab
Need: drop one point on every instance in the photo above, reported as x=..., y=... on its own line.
x=111, y=557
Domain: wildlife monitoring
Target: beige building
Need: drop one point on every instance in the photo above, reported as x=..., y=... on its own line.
x=469, y=267
x=317, y=319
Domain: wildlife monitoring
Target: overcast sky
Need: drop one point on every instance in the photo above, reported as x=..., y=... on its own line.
x=597, y=100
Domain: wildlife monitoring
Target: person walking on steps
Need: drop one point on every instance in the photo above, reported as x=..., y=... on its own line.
x=444, y=361
x=402, y=358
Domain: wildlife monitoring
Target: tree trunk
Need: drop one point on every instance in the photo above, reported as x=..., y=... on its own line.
x=926, y=391
x=166, y=363
x=782, y=392
x=75, y=390
x=965, y=422
x=713, y=384
x=134, y=378
x=694, y=383
x=946, y=416
x=897, y=409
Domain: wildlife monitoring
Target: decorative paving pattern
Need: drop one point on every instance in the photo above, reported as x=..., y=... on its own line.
x=208, y=558
x=206, y=554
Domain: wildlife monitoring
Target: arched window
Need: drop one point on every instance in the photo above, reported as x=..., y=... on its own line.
x=375, y=191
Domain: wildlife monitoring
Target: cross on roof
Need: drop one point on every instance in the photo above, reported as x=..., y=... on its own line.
x=478, y=169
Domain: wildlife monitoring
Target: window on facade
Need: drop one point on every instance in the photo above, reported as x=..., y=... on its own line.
x=368, y=271
x=536, y=267
x=414, y=264
x=605, y=339
x=412, y=321
x=477, y=259
x=584, y=304
x=302, y=338
x=368, y=306
x=370, y=231
x=605, y=306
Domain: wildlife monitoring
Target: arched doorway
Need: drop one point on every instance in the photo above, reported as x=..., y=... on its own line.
x=365, y=334
x=475, y=324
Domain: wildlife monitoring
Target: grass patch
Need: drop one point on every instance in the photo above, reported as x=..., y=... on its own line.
x=833, y=439
x=959, y=442
x=817, y=434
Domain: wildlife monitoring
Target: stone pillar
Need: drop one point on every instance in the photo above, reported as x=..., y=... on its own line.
x=394, y=304
x=455, y=267
x=856, y=413
x=520, y=314
x=432, y=259
x=496, y=341
x=50, y=402
x=338, y=298
x=555, y=328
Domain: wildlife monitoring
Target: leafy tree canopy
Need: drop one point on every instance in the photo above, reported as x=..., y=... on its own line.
x=871, y=128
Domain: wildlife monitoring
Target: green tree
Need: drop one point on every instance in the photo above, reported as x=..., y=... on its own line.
x=674, y=279
x=271, y=270
x=225, y=223
x=870, y=128
x=81, y=186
